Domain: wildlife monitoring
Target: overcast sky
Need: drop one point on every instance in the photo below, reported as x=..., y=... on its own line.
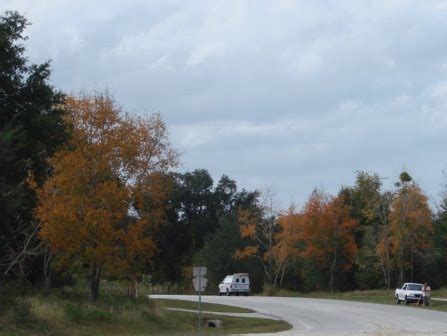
x=290, y=94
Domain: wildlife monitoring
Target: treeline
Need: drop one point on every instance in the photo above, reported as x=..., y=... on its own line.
x=88, y=190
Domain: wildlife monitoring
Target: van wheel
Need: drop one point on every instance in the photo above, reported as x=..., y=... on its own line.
x=397, y=299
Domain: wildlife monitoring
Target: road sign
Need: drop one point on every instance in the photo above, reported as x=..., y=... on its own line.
x=199, y=284
x=199, y=281
x=198, y=271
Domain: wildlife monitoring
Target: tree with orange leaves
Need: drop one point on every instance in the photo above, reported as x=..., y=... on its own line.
x=410, y=224
x=93, y=209
x=286, y=248
x=259, y=227
x=325, y=231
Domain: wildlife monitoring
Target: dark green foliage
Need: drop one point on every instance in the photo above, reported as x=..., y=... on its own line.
x=218, y=252
x=433, y=262
x=31, y=129
x=195, y=206
x=405, y=177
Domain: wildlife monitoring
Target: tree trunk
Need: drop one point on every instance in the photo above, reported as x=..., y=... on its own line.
x=388, y=268
x=332, y=271
x=47, y=270
x=401, y=263
x=95, y=272
x=282, y=275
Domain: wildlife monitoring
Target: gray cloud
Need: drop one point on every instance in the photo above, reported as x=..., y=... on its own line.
x=288, y=93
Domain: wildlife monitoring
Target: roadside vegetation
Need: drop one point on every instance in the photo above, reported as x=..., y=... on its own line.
x=68, y=311
x=205, y=306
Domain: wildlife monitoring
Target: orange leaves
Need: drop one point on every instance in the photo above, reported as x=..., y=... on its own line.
x=247, y=252
x=321, y=230
x=247, y=221
x=113, y=167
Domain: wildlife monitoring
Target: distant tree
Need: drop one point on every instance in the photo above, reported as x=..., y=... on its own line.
x=93, y=209
x=410, y=224
x=217, y=255
x=31, y=130
x=327, y=234
x=259, y=226
x=287, y=246
x=370, y=207
x=196, y=206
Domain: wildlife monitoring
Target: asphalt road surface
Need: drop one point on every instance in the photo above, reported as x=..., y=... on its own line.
x=334, y=317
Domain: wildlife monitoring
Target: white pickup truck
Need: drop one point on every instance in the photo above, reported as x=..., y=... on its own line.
x=410, y=292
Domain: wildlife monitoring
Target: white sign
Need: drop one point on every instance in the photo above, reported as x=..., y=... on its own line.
x=198, y=271
x=199, y=284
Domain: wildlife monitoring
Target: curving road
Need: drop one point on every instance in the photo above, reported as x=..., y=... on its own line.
x=334, y=317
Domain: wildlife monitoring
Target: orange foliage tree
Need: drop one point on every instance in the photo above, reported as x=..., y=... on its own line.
x=93, y=209
x=286, y=248
x=410, y=224
x=323, y=232
x=259, y=227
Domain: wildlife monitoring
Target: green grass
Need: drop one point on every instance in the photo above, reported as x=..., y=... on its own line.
x=69, y=312
x=371, y=296
x=205, y=306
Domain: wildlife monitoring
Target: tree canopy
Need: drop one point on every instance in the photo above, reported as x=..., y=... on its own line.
x=31, y=130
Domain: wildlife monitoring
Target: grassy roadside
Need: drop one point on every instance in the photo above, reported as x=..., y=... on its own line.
x=205, y=306
x=371, y=296
x=69, y=312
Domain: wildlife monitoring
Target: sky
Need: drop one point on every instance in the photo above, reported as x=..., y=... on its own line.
x=289, y=95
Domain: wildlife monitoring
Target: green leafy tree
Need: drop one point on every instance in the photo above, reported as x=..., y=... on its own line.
x=195, y=206
x=217, y=255
x=410, y=225
x=31, y=130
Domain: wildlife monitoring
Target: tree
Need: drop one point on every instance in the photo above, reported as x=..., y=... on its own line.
x=259, y=226
x=286, y=248
x=92, y=208
x=410, y=224
x=217, y=254
x=327, y=234
x=383, y=247
x=370, y=207
x=196, y=207
x=31, y=130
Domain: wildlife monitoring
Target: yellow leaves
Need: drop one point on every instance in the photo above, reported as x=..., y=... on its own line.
x=410, y=218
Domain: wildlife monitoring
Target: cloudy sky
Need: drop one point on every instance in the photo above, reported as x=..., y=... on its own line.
x=289, y=94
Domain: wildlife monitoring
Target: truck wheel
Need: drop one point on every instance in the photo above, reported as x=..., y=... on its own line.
x=397, y=299
x=219, y=293
x=406, y=301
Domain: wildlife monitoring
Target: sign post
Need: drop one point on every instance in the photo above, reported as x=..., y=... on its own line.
x=199, y=281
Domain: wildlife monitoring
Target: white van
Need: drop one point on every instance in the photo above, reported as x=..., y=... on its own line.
x=238, y=283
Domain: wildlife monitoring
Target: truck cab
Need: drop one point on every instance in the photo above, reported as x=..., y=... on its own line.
x=238, y=283
x=410, y=292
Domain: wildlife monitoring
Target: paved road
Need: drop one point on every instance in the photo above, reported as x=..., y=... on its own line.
x=334, y=317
